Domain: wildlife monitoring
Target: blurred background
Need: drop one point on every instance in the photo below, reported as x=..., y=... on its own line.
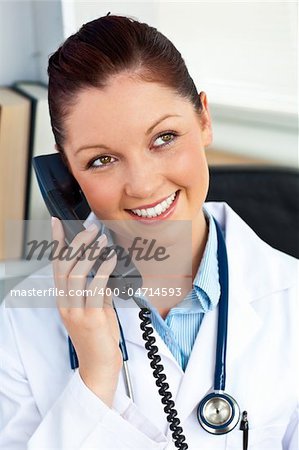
x=243, y=54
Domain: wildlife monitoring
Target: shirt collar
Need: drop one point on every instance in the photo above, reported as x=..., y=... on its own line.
x=205, y=292
x=207, y=276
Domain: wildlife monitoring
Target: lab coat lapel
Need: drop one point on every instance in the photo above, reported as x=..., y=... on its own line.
x=246, y=282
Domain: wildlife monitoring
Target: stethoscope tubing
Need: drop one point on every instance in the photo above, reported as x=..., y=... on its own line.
x=220, y=367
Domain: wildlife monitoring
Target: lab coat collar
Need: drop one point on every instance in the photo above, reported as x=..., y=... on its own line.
x=244, y=247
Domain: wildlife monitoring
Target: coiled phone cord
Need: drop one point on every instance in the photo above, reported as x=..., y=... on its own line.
x=166, y=396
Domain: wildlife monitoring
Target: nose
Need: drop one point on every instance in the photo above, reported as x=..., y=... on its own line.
x=143, y=178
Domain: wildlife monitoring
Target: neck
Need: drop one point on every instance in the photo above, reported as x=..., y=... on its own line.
x=175, y=274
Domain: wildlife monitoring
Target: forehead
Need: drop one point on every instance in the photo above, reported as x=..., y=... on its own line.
x=125, y=105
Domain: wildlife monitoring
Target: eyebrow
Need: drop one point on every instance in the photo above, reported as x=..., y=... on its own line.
x=85, y=147
x=161, y=120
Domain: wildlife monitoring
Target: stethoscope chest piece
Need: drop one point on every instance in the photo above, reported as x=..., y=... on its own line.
x=218, y=413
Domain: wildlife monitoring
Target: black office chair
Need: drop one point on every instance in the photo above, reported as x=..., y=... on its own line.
x=267, y=198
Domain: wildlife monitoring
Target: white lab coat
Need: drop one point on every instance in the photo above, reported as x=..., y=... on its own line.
x=44, y=404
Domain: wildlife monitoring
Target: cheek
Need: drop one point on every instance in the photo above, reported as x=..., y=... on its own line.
x=194, y=169
x=102, y=196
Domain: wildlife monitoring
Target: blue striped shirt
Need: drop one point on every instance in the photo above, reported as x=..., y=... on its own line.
x=180, y=327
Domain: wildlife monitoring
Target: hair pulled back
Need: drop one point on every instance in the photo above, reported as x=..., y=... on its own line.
x=104, y=48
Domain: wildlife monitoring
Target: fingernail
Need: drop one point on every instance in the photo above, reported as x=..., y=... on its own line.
x=53, y=221
x=110, y=254
x=102, y=239
x=91, y=228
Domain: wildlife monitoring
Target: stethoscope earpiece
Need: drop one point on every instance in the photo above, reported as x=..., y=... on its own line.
x=218, y=413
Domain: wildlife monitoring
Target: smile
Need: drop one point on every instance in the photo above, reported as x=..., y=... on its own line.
x=159, y=209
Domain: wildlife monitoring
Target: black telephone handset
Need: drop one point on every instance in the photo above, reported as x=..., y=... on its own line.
x=65, y=200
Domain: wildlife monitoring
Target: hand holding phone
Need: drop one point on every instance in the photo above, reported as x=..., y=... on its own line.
x=66, y=201
x=89, y=319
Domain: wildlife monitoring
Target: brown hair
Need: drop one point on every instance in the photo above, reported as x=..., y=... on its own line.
x=105, y=47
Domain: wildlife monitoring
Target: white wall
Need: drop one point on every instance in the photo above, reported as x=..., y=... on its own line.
x=243, y=53
x=17, y=43
x=75, y=13
x=48, y=26
x=29, y=31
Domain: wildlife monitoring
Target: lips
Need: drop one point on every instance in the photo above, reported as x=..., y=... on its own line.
x=155, y=211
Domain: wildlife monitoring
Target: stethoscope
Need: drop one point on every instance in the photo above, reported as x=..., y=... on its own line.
x=218, y=412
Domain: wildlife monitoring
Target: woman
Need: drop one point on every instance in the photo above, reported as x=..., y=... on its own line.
x=132, y=129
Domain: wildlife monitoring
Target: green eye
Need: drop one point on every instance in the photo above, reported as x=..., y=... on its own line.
x=101, y=161
x=105, y=159
x=164, y=139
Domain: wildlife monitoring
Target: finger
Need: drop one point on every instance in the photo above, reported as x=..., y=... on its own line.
x=84, y=265
x=108, y=301
x=68, y=256
x=99, y=283
x=76, y=281
x=59, y=245
x=58, y=241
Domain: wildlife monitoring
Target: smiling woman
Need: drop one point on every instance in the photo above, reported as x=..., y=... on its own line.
x=132, y=129
x=132, y=167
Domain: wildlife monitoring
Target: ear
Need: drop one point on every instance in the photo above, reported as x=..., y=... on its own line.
x=64, y=158
x=206, y=122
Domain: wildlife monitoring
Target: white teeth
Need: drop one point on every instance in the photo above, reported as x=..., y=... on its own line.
x=151, y=211
x=164, y=205
x=156, y=210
